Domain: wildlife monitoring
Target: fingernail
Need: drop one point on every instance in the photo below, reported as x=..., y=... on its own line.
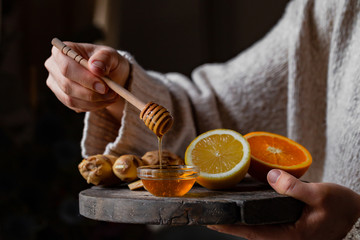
x=99, y=87
x=99, y=64
x=273, y=175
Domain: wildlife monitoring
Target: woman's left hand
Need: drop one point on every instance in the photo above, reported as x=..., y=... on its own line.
x=330, y=211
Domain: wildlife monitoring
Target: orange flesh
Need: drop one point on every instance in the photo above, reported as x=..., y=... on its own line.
x=276, y=151
x=207, y=154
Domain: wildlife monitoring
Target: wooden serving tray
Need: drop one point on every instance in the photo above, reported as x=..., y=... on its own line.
x=251, y=202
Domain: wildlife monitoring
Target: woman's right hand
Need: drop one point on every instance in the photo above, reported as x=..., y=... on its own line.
x=80, y=89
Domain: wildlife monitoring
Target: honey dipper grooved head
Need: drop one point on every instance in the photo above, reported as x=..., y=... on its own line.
x=156, y=118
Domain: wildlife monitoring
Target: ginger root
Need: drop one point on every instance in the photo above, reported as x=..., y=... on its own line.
x=125, y=167
x=168, y=158
x=108, y=170
x=135, y=185
x=97, y=169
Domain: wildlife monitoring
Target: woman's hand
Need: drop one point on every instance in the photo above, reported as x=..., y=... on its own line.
x=80, y=89
x=330, y=211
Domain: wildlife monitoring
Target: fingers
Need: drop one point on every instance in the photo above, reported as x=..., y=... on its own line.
x=286, y=184
x=102, y=61
x=82, y=89
x=236, y=230
x=77, y=104
x=268, y=232
x=325, y=202
x=107, y=62
x=74, y=95
x=63, y=67
x=76, y=88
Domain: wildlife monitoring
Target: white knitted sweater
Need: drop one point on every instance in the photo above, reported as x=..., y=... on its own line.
x=302, y=80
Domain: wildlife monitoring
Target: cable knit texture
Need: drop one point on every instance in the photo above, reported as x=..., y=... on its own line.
x=301, y=80
x=354, y=234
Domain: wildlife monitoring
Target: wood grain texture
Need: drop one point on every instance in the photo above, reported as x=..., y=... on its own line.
x=249, y=203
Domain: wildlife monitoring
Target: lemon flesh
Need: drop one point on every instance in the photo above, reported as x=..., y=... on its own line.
x=223, y=157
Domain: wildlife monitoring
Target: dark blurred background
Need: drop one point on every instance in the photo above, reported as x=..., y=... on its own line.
x=39, y=137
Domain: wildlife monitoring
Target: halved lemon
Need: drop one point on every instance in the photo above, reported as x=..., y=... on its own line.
x=223, y=157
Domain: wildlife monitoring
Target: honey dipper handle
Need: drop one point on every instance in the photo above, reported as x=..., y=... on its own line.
x=128, y=96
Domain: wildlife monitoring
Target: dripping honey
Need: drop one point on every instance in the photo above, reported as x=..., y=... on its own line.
x=166, y=181
x=160, y=150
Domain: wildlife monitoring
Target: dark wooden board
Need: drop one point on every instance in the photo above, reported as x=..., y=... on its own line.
x=250, y=203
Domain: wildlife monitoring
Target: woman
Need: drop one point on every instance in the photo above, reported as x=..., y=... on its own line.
x=301, y=80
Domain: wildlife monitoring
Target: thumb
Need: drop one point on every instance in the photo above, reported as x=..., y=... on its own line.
x=286, y=184
x=108, y=62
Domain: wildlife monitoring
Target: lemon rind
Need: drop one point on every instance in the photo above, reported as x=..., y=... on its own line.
x=242, y=163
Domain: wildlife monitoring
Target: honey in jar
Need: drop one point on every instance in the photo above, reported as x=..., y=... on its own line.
x=168, y=180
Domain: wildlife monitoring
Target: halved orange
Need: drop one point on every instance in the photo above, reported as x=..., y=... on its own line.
x=223, y=156
x=270, y=151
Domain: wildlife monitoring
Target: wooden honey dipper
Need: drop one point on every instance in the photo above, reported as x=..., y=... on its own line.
x=156, y=117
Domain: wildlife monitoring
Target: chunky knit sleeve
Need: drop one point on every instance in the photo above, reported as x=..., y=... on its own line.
x=354, y=233
x=248, y=92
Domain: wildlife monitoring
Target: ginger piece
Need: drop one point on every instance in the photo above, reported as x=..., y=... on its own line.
x=125, y=167
x=97, y=169
x=135, y=185
x=168, y=158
